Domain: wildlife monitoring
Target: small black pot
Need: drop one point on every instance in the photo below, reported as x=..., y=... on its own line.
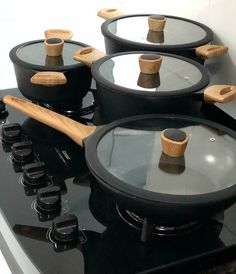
x=179, y=36
x=31, y=58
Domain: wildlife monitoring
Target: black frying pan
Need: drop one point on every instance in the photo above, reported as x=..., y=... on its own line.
x=125, y=156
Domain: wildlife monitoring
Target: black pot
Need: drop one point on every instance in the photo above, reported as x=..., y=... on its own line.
x=179, y=36
x=124, y=157
x=67, y=81
x=124, y=90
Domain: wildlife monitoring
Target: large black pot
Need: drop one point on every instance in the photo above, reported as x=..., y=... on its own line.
x=179, y=36
x=129, y=160
x=56, y=80
x=124, y=90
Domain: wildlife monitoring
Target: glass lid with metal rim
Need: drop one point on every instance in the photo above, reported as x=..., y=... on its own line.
x=178, y=32
x=177, y=75
x=33, y=53
x=169, y=155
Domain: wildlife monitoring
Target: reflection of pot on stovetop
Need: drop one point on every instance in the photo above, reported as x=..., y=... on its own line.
x=46, y=71
x=155, y=32
x=124, y=158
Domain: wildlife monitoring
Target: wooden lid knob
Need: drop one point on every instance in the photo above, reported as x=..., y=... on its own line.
x=148, y=80
x=150, y=63
x=174, y=142
x=54, y=46
x=156, y=22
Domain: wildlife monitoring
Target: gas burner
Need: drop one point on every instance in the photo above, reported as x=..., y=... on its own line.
x=149, y=229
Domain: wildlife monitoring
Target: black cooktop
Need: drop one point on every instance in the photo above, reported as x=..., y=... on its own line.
x=66, y=223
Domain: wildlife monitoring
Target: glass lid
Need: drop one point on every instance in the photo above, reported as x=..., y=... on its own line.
x=177, y=31
x=135, y=154
x=34, y=53
x=177, y=74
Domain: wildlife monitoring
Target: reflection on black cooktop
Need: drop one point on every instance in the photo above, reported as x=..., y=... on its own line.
x=67, y=223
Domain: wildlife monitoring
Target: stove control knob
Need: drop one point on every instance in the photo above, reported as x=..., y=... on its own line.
x=22, y=152
x=49, y=199
x=34, y=174
x=11, y=133
x=3, y=111
x=65, y=228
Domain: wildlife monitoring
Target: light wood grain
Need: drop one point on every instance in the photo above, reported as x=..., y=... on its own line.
x=88, y=55
x=75, y=130
x=149, y=66
x=58, y=33
x=108, y=13
x=54, y=49
x=156, y=24
x=220, y=94
x=173, y=148
x=208, y=51
x=48, y=78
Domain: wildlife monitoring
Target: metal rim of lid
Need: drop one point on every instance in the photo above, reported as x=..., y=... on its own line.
x=139, y=93
x=16, y=60
x=208, y=38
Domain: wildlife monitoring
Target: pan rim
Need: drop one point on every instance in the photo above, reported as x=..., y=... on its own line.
x=111, y=182
x=204, y=81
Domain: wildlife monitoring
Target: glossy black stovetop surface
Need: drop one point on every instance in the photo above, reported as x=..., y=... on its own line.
x=105, y=243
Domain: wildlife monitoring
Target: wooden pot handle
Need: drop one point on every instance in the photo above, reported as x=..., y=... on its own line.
x=174, y=142
x=75, y=130
x=88, y=55
x=208, y=51
x=58, y=33
x=49, y=78
x=108, y=13
x=220, y=94
x=150, y=63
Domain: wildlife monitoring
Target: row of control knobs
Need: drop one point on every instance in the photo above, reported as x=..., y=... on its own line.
x=65, y=227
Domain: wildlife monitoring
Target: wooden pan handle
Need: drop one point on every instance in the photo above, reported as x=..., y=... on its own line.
x=208, y=51
x=58, y=33
x=220, y=94
x=174, y=142
x=75, y=130
x=109, y=13
x=88, y=55
x=48, y=78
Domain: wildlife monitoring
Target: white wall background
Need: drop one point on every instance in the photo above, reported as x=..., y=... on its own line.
x=26, y=20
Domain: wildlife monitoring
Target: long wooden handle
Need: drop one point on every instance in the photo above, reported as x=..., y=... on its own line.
x=75, y=130
x=88, y=55
x=109, y=13
x=58, y=33
x=48, y=78
x=220, y=94
x=208, y=51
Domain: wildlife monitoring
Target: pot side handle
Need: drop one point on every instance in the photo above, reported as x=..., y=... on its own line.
x=88, y=55
x=49, y=78
x=75, y=130
x=219, y=94
x=108, y=13
x=63, y=34
x=208, y=51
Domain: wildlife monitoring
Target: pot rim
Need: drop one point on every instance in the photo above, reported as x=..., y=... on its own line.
x=181, y=47
x=139, y=93
x=116, y=185
x=16, y=60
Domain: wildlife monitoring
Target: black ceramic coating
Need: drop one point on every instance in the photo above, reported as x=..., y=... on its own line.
x=30, y=57
x=124, y=157
x=180, y=36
